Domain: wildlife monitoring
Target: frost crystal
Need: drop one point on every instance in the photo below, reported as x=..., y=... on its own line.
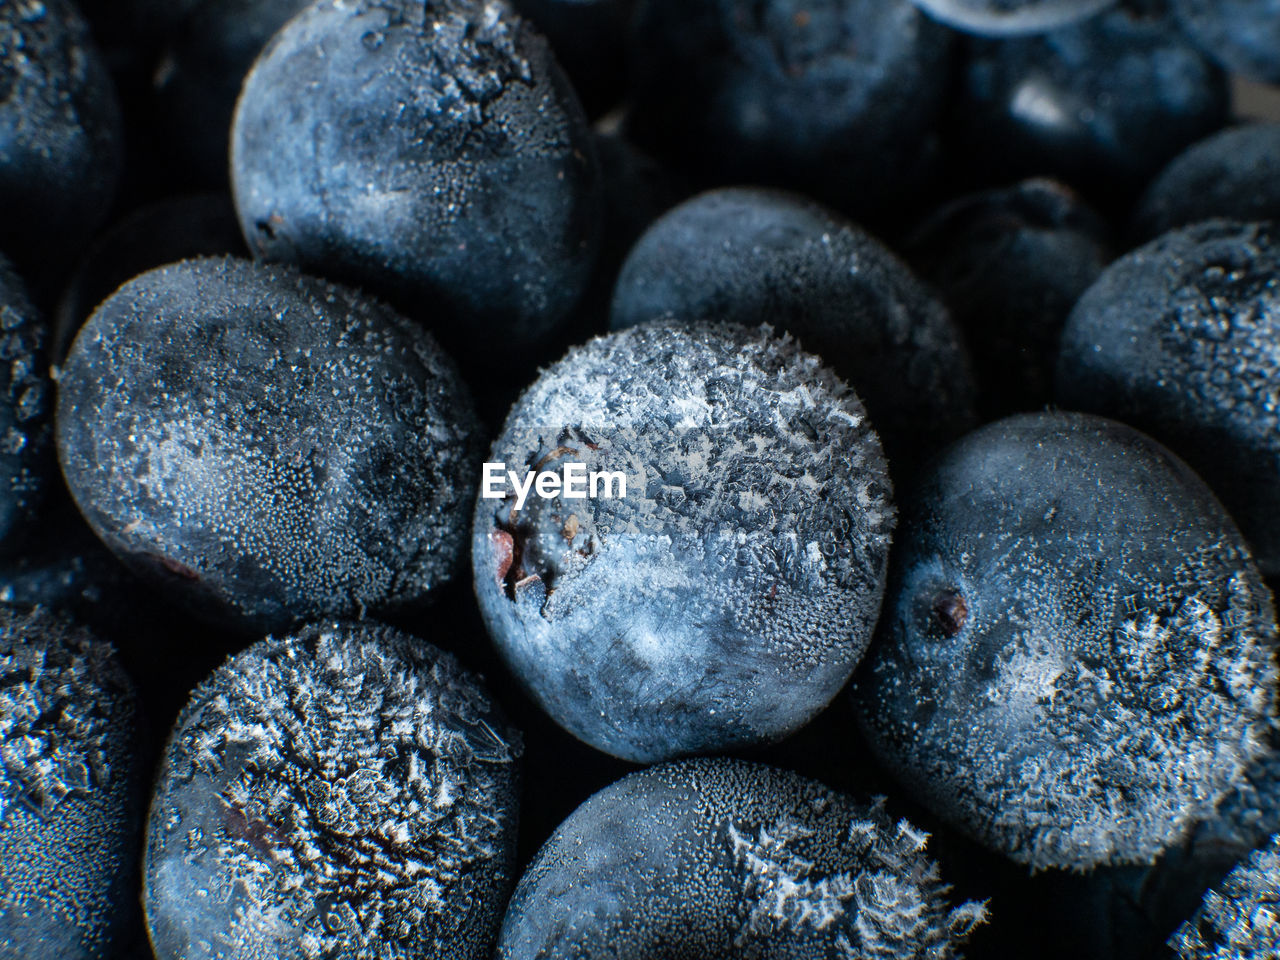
x=1240, y=919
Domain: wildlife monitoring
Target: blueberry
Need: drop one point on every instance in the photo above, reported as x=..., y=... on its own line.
x=69, y=791
x=1076, y=660
x=268, y=446
x=1004, y=18
x=1239, y=918
x=432, y=151
x=636, y=191
x=589, y=39
x=836, y=98
x=1179, y=339
x=1242, y=35
x=1234, y=174
x=723, y=858
x=725, y=599
x=1103, y=104
x=60, y=135
x=1011, y=263
x=753, y=256
x=347, y=791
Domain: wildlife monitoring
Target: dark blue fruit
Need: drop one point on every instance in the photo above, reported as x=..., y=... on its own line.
x=1242, y=35
x=432, y=151
x=1077, y=657
x=1240, y=918
x=347, y=791
x=69, y=791
x=1234, y=174
x=1011, y=263
x=835, y=98
x=268, y=446
x=751, y=256
x=1103, y=104
x=726, y=598
x=1181, y=338
x=589, y=40
x=723, y=858
x=60, y=135
x=1005, y=18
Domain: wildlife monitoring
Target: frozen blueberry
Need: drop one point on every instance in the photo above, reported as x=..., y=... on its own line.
x=347, y=791
x=723, y=858
x=835, y=98
x=589, y=39
x=1234, y=174
x=726, y=597
x=1103, y=104
x=1180, y=339
x=69, y=792
x=1011, y=264
x=1240, y=919
x=270, y=446
x=1076, y=661
x=1242, y=35
x=636, y=190
x=1002, y=18
x=433, y=151
x=753, y=256
x=60, y=135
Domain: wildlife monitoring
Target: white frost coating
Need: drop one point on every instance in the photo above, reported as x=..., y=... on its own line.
x=1239, y=919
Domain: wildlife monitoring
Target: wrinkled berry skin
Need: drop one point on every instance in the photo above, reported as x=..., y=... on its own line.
x=432, y=152
x=1242, y=35
x=268, y=446
x=1011, y=263
x=835, y=99
x=728, y=596
x=347, y=791
x=60, y=135
x=1238, y=917
x=1180, y=339
x=70, y=806
x=1103, y=104
x=1009, y=18
x=589, y=40
x=1234, y=175
x=724, y=858
x=751, y=256
x=1076, y=660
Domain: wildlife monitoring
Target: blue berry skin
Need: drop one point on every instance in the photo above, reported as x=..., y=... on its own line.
x=589, y=40
x=1010, y=263
x=60, y=136
x=345, y=791
x=1010, y=18
x=1076, y=662
x=432, y=152
x=836, y=99
x=1242, y=35
x=267, y=446
x=70, y=795
x=724, y=858
x=1180, y=338
x=1233, y=175
x=725, y=600
x=752, y=256
x=1103, y=104
x=1239, y=918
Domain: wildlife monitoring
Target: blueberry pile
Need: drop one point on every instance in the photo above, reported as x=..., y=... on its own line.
x=639, y=479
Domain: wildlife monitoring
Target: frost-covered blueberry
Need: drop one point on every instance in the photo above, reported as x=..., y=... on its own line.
x=1239, y=919
x=1242, y=35
x=1234, y=174
x=1103, y=104
x=1077, y=656
x=432, y=151
x=269, y=446
x=60, y=135
x=1181, y=338
x=751, y=256
x=1011, y=263
x=348, y=791
x=70, y=806
x=836, y=98
x=1005, y=18
x=727, y=597
x=723, y=858
x=589, y=40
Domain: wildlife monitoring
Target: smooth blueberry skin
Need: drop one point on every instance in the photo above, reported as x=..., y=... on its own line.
x=1102, y=104
x=752, y=256
x=70, y=791
x=268, y=446
x=724, y=858
x=1242, y=35
x=725, y=600
x=1179, y=339
x=60, y=136
x=1076, y=661
x=836, y=99
x=589, y=40
x=432, y=153
x=1010, y=264
x=1234, y=175
x=1008, y=18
